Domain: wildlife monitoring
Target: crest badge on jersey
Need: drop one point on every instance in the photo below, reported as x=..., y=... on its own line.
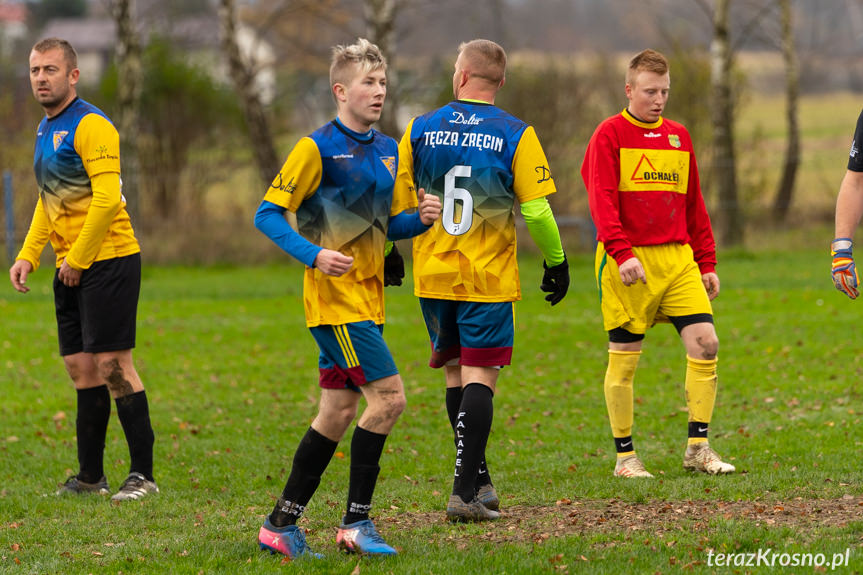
x=58, y=138
x=390, y=163
x=674, y=140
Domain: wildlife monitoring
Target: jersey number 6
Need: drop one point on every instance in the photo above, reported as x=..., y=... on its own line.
x=451, y=195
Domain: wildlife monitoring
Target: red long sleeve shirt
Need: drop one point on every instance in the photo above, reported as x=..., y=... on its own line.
x=643, y=186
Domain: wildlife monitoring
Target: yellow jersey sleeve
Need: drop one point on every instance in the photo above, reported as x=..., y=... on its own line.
x=299, y=177
x=37, y=236
x=404, y=191
x=531, y=175
x=98, y=143
x=104, y=205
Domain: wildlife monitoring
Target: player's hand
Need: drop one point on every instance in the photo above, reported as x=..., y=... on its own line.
x=555, y=281
x=844, y=270
x=69, y=275
x=333, y=263
x=18, y=275
x=394, y=267
x=631, y=271
x=429, y=209
x=711, y=284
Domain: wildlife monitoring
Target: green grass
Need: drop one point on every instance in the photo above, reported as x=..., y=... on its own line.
x=231, y=373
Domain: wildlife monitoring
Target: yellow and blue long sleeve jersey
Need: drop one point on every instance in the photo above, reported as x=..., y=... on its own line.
x=80, y=209
x=340, y=184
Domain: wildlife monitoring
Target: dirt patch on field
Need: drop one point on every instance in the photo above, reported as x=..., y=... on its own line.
x=522, y=523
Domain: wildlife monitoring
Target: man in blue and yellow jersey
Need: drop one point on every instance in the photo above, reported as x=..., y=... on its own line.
x=82, y=212
x=340, y=183
x=479, y=159
x=656, y=257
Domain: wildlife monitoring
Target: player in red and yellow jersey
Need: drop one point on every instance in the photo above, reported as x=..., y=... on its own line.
x=81, y=210
x=656, y=256
x=480, y=160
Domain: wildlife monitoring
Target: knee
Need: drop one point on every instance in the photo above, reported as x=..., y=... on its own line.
x=709, y=346
x=112, y=374
x=388, y=408
x=341, y=417
x=397, y=405
x=82, y=370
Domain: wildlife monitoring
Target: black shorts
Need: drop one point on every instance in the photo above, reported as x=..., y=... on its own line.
x=99, y=314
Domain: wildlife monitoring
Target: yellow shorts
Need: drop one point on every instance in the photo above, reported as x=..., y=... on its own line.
x=673, y=288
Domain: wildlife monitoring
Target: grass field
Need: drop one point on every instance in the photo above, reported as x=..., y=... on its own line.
x=231, y=374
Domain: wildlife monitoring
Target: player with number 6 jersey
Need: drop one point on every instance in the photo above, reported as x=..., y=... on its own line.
x=479, y=160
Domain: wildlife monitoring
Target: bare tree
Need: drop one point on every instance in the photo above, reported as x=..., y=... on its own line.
x=380, y=16
x=129, y=75
x=791, y=162
x=731, y=225
x=243, y=77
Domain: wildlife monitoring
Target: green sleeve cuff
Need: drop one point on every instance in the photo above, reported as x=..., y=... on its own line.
x=543, y=229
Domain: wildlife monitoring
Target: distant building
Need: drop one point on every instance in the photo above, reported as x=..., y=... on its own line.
x=13, y=25
x=197, y=36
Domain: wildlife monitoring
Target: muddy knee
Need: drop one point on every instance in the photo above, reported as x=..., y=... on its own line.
x=115, y=378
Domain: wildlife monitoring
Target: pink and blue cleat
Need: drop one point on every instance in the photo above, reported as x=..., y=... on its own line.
x=289, y=540
x=362, y=538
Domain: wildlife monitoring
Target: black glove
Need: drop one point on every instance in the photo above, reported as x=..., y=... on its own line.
x=394, y=268
x=555, y=281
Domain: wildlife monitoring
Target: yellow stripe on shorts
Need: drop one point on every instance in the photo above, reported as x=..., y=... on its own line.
x=347, y=346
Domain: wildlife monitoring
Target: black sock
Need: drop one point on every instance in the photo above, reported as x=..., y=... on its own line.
x=698, y=429
x=623, y=444
x=472, y=428
x=453, y=402
x=91, y=425
x=133, y=411
x=366, y=449
x=310, y=460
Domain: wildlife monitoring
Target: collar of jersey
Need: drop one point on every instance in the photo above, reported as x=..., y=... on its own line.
x=60, y=113
x=362, y=138
x=471, y=101
x=633, y=120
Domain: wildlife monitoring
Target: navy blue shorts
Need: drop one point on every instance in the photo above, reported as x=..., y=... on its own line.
x=477, y=333
x=99, y=314
x=352, y=354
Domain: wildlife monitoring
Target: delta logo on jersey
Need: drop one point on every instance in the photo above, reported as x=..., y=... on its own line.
x=58, y=138
x=648, y=170
x=390, y=163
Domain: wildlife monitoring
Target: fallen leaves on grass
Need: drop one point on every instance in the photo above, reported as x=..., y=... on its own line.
x=537, y=524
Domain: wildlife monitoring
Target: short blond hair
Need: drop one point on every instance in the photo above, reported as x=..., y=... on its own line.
x=646, y=61
x=69, y=54
x=485, y=59
x=362, y=57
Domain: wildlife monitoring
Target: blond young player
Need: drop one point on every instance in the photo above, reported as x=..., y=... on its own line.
x=339, y=181
x=656, y=256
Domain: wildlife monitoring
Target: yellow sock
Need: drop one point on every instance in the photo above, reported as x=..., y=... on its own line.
x=618, y=391
x=700, y=388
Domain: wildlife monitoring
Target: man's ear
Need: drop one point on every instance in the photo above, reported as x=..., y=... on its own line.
x=339, y=92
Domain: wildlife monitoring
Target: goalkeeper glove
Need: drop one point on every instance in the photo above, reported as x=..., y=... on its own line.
x=844, y=271
x=394, y=267
x=555, y=281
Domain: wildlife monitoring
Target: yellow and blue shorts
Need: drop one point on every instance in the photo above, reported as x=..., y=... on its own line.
x=673, y=289
x=352, y=354
x=477, y=333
